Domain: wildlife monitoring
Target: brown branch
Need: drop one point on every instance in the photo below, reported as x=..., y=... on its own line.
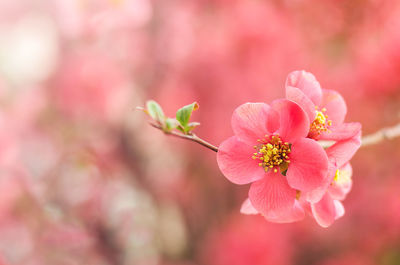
x=190, y=137
x=387, y=133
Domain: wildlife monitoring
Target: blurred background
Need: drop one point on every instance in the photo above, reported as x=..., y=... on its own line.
x=85, y=180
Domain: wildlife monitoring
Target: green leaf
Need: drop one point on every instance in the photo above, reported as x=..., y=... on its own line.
x=183, y=114
x=155, y=111
x=192, y=125
x=171, y=124
x=180, y=128
x=142, y=109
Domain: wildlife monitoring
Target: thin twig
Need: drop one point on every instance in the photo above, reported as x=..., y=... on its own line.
x=190, y=137
x=387, y=133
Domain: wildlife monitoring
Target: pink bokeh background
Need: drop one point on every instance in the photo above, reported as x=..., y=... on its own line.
x=85, y=180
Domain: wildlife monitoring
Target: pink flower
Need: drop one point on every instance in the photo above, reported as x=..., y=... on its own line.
x=250, y=241
x=326, y=109
x=271, y=151
x=325, y=203
x=90, y=86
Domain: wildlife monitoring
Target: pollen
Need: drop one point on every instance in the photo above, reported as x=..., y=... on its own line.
x=320, y=124
x=342, y=177
x=272, y=153
x=298, y=194
x=337, y=175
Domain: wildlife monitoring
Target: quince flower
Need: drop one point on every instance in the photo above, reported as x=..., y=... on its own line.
x=324, y=203
x=326, y=109
x=271, y=151
x=327, y=207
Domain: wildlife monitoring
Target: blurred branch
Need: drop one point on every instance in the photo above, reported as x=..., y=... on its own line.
x=387, y=133
x=191, y=137
x=106, y=244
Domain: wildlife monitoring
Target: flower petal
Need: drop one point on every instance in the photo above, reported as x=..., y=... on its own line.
x=294, y=122
x=341, y=132
x=308, y=165
x=342, y=184
x=272, y=196
x=235, y=161
x=343, y=151
x=339, y=209
x=252, y=121
x=335, y=105
x=294, y=215
x=247, y=208
x=305, y=205
x=316, y=195
x=296, y=95
x=324, y=211
x=307, y=83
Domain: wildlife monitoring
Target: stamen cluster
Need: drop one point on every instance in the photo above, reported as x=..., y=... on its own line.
x=320, y=123
x=290, y=172
x=341, y=177
x=272, y=152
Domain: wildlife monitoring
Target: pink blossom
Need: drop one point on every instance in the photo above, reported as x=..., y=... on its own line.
x=99, y=16
x=326, y=206
x=271, y=151
x=326, y=109
x=250, y=241
x=353, y=258
x=324, y=202
x=90, y=85
x=67, y=236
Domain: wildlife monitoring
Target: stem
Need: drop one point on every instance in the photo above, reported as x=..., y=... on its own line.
x=190, y=137
x=387, y=133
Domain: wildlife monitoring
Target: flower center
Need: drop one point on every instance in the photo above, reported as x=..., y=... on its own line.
x=342, y=177
x=320, y=123
x=272, y=153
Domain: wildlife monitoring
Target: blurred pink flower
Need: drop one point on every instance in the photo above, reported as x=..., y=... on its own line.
x=352, y=258
x=66, y=236
x=248, y=241
x=121, y=14
x=325, y=203
x=76, y=19
x=284, y=163
x=90, y=86
x=326, y=109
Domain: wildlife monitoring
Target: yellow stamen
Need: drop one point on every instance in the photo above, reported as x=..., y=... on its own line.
x=273, y=153
x=342, y=177
x=320, y=123
x=337, y=175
